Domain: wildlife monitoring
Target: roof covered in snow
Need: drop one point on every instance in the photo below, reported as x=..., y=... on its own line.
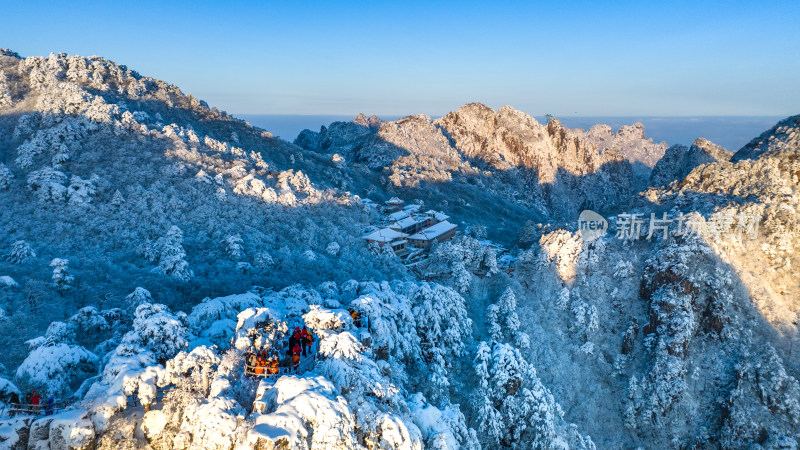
x=407, y=222
x=385, y=235
x=394, y=201
x=434, y=231
x=440, y=216
x=399, y=215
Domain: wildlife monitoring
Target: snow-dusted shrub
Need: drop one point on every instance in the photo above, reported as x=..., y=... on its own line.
x=57, y=332
x=89, y=320
x=7, y=388
x=442, y=428
x=20, y=252
x=216, y=319
x=62, y=279
x=264, y=260
x=319, y=319
x=272, y=328
x=391, y=320
x=332, y=248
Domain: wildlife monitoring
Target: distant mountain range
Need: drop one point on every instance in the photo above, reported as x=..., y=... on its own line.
x=731, y=132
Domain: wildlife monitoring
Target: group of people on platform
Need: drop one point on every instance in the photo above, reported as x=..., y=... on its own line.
x=32, y=405
x=300, y=343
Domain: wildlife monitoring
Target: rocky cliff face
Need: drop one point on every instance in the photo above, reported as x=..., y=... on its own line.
x=551, y=169
x=765, y=187
x=679, y=160
x=630, y=140
x=783, y=136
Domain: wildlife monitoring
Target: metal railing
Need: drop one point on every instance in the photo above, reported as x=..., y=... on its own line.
x=264, y=371
x=302, y=366
x=33, y=410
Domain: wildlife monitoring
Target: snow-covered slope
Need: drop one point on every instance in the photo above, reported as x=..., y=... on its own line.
x=127, y=181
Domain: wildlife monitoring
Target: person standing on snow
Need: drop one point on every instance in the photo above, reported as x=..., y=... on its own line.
x=35, y=401
x=307, y=339
x=296, y=351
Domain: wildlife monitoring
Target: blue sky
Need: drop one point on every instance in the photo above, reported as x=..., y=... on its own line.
x=566, y=58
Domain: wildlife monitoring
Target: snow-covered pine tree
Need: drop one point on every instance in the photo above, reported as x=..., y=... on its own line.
x=55, y=361
x=48, y=184
x=442, y=334
x=117, y=200
x=80, y=191
x=172, y=256
x=264, y=261
x=139, y=296
x=504, y=321
x=62, y=279
x=20, y=252
x=234, y=246
x=515, y=409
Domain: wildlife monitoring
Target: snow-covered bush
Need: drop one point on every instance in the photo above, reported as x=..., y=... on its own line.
x=332, y=248
x=264, y=260
x=216, y=319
